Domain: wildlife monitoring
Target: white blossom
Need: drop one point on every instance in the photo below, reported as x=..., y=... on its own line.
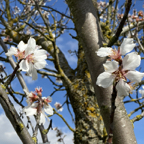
x=38, y=108
x=126, y=46
x=115, y=73
x=58, y=106
x=32, y=56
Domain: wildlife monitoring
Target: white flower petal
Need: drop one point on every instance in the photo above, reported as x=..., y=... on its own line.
x=131, y=61
x=58, y=106
x=22, y=46
x=31, y=46
x=143, y=87
x=48, y=109
x=11, y=51
x=135, y=76
x=34, y=74
x=32, y=71
x=111, y=66
x=42, y=119
x=31, y=109
x=61, y=109
x=24, y=66
x=32, y=43
x=127, y=46
x=105, y=79
x=123, y=89
x=48, y=98
x=40, y=53
x=40, y=64
x=103, y=52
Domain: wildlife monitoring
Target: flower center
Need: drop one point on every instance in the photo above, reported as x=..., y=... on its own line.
x=120, y=74
x=115, y=55
x=30, y=58
x=20, y=55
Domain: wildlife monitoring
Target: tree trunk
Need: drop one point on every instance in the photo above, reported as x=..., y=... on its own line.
x=88, y=121
x=88, y=29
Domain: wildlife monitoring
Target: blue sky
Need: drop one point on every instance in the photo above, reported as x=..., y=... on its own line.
x=65, y=43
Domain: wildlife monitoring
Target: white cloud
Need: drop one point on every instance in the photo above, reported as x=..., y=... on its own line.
x=7, y=133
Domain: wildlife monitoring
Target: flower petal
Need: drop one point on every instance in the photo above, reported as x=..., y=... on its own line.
x=127, y=46
x=31, y=46
x=11, y=51
x=135, y=76
x=103, y=52
x=111, y=66
x=32, y=43
x=42, y=119
x=40, y=64
x=24, y=66
x=41, y=54
x=131, y=61
x=48, y=109
x=30, y=109
x=123, y=89
x=32, y=71
x=22, y=46
x=105, y=79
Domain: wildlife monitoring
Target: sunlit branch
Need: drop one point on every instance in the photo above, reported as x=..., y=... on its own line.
x=138, y=117
x=133, y=100
x=135, y=110
x=47, y=73
x=126, y=28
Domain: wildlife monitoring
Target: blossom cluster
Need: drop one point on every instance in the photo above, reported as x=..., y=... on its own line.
x=120, y=70
x=31, y=56
x=38, y=105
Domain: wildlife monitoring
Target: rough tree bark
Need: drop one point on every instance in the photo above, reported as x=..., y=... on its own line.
x=14, y=118
x=88, y=29
x=88, y=121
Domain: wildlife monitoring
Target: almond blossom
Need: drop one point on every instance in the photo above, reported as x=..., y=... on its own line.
x=31, y=56
x=31, y=97
x=38, y=105
x=58, y=106
x=126, y=46
x=120, y=73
